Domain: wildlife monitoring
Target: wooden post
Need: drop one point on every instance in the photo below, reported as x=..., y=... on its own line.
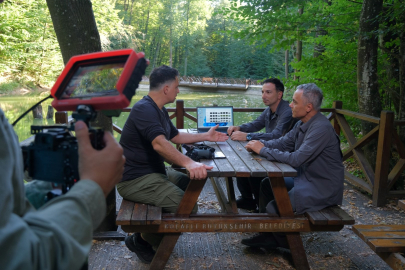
x=380, y=189
x=336, y=105
x=180, y=114
x=50, y=113
x=61, y=118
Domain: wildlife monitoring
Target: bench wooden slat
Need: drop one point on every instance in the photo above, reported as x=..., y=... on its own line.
x=330, y=216
x=154, y=215
x=388, y=245
x=125, y=213
x=359, y=229
x=383, y=235
x=333, y=219
x=139, y=214
x=345, y=217
x=316, y=218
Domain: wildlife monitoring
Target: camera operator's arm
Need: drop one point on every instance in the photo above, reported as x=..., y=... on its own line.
x=59, y=234
x=197, y=170
x=212, y=135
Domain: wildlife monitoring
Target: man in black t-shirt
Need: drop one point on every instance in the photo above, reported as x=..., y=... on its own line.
x=146, y=140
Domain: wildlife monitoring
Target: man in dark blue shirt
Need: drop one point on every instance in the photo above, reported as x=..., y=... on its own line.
x=146, y=138
x=277, y=120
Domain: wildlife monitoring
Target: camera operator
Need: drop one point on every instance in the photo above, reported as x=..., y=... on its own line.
x=59, y=234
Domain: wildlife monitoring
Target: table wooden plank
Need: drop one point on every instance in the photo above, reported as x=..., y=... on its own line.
x=224, y=166
x=287, y=170
x=241, y=170
x=139, y=214
x=125, y=213
x=270, y=167
x=256, y=169
x=214, y=172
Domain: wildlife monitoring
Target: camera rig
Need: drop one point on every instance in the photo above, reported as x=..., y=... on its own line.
x=104, y=81
x=199, y=151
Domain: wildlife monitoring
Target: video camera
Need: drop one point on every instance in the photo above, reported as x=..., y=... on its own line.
x=104, y=81
x=199, y=151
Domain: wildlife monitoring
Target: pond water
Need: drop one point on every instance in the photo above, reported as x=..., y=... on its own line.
x=14, y=106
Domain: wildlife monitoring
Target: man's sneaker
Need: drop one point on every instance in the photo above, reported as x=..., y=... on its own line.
x=261, y=240
x=142, y=249
x=248, y=204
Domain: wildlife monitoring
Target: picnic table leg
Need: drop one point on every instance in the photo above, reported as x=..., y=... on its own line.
x=231, y=194
x=285, y=208
x=164, y=250
x=169, y=240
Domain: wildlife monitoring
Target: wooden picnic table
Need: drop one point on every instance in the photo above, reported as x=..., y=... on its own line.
x=239, y=162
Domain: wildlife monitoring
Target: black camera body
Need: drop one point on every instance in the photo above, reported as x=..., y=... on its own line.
x=199, y=151
x=53, y=155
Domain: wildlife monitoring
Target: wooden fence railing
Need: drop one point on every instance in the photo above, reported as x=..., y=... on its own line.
x=214, y=81
x=379, y=180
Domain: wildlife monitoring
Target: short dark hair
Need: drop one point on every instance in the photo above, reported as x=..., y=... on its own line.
x=161, y=75
x=279, y=85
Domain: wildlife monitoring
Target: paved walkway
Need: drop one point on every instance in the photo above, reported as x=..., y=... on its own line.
x=325, y=250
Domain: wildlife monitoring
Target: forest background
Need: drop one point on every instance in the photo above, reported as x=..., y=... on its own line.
x=355, y=51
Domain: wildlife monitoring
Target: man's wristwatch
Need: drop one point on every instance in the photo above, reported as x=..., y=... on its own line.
x=248, y=137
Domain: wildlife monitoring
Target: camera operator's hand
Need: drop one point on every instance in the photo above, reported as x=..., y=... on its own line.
x=197, y=170
x=232, y=129
x=105, y=167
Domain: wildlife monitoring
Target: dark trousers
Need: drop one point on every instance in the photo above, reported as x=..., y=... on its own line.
x=249, y=187
x=268, y=204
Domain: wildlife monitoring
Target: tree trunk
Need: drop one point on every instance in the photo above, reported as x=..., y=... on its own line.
x=286, y=64
x=77, y=33
x=367, y=82
x=75, y=27
x=298, y=51
x=401, y=113
x=186, y=52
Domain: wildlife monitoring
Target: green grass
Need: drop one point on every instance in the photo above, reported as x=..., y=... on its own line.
x=8, y=87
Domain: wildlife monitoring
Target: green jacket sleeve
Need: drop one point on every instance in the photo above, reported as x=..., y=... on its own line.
x=56, y=236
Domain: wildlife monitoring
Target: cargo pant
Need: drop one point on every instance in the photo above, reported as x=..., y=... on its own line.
x=157, y=189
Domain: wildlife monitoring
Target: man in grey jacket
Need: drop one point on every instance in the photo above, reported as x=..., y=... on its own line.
x=277, y=119
x=313, y=149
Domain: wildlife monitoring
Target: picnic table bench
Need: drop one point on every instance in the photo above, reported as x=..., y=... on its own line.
x=387, y=241
x=136, y=217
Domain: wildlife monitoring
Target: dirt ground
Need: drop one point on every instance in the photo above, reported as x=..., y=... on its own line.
x=325, y=250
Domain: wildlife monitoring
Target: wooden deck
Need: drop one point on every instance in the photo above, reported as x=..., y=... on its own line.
x=325, y=250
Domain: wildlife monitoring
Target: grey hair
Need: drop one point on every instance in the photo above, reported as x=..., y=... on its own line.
x=312, y=93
